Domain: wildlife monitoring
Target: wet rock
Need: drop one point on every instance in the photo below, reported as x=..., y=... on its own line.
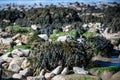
x=78, y=70
x=26, y=72
x=18, y=76
x=65, y=71
x=43, y=36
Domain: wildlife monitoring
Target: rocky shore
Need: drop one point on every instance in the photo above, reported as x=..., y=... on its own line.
x=59, y=46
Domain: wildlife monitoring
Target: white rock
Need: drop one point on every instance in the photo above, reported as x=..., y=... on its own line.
x=26, y=72
x=65, y=71
x=65, y=38
x=7, y=57
x=57, y=70
x=35, y=27
x=49, y=75
x=43, y=36
x=18, y=76
x=78, y=70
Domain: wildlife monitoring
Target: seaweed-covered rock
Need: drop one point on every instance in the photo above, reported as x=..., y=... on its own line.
x=52, y=54
x=101, y=46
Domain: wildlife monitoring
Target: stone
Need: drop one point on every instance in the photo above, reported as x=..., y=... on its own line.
x=78, y=70
x=49, y=75
x=14, y=67
x=43, y=36
x=115, y=76
x=7, y=57
x=24, y=39
x=6, y=41
x=16, y=36
x=15, y=64
x=57, y=70
x=65, y=71
x=106, y=75
x=25, y=64
x=20, y=52
x=25, y=72
x=35, y=78
x=35, y=27
x=67, y=28
x=75, y=77
x=65, y=38
x=17, y=76
x=42, y=72
x=17, y=53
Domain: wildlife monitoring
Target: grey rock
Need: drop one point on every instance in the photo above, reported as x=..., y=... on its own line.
x=14, y=67
x=78, y=70
x=20, y=53
x=26, y=72
x=6, y=40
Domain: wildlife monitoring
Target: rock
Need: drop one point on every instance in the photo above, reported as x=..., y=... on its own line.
x=15, y=64
x=24, y=39
x=17, y=53
x=35, y=27
x=14, y=67
x=58, y=77
x=42, y=72
x=49, y=75
x=67, y=28
x=81, y=41
x=78, y=70
x=106, y=75
x=65, y=38
x=65, y=71
x=35, y=78
x=26, y=72
x=75, y=77
x=7, y=57
x=16, y=36
x=25, y=64
x=92, y=29
x=57, y=70
x=18, y=42
x=20, y=53
x=17, y=76
x=6, y=41
x=43, y=36
x=5, y=65
x=115, y=76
